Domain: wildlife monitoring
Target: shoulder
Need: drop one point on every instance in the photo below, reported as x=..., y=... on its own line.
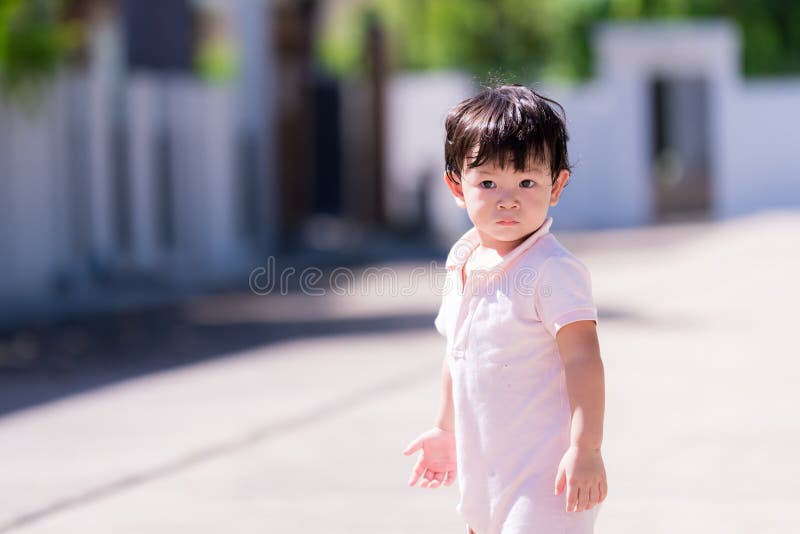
x=554, y=271
x=551, y=255
x=563, y=291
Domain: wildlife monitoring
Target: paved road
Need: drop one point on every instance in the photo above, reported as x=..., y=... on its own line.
x=300, y=430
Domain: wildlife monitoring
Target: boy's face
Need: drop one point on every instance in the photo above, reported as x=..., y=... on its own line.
x=506, y=206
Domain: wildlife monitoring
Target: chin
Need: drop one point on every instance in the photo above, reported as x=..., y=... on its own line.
x=513, y=237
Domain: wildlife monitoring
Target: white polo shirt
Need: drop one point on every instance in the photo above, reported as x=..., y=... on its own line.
x=512, y=411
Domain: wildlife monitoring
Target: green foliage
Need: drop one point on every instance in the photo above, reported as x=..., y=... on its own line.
x=516, y=40
x=33, y=42
x=504, y=38
x=217, y=62
x=770, y=29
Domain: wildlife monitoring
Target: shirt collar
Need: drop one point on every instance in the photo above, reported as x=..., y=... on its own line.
x=470, y=241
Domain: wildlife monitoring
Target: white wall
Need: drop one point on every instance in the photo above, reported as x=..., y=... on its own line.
x=205, y=184
x=30, y=233
x=603, y=134
x=417, y=105
x=762, y=165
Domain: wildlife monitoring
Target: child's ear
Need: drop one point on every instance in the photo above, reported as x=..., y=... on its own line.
x=558, y=186
x=454, y=184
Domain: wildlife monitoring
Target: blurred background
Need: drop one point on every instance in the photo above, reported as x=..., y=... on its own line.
x=222, y=224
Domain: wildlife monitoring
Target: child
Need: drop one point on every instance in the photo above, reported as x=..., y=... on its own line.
x=522, y=380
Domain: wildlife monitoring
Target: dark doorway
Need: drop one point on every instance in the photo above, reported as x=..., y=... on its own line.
x=680, y=148
x=327, y=147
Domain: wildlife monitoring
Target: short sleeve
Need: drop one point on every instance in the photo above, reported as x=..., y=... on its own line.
x=564, y=293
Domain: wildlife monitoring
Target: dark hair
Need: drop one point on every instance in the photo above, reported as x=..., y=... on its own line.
x=510, y=122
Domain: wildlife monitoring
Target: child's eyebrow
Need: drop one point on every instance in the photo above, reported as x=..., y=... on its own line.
x=537, y=170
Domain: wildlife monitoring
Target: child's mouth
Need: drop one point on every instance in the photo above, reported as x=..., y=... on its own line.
x=507, y=222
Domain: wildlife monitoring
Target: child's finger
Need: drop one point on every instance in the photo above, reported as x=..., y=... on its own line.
x=416, y=472
x=437, y=480
x=602, y=490
x=426, y=479
x=561, y=480
x=586, y=498
x=450, y=477
x=572, y=497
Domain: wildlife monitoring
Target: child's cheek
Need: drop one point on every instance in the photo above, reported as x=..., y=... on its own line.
x=475, y=206
x=480, y=200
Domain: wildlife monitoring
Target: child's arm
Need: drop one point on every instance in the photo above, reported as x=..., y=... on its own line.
x=446, y=419
x=437, y=463
x=582, y=467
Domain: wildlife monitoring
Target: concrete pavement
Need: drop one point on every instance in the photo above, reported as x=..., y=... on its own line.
x=303, y=434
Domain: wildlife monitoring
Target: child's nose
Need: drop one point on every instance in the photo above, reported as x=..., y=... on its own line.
x=506, y=203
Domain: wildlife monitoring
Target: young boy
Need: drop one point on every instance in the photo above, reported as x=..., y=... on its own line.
x=521, y=414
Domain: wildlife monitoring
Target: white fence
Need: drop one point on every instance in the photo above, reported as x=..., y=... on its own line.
x=159, y=184
x=122, y=177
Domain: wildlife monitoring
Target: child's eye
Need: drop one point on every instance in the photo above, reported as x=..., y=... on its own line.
x=488, y=184
x=527, y=183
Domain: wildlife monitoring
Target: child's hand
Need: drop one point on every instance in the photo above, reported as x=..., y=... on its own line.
x=584, y=474
x=437, y=463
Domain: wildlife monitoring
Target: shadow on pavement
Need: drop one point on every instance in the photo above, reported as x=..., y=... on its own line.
x=46, y=363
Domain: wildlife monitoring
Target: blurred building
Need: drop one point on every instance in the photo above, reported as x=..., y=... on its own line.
x=667, y=130
x=192, y=140
x=195, y=138
x=149, y=167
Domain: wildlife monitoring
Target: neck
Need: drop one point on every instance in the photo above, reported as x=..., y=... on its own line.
x=500, y=248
